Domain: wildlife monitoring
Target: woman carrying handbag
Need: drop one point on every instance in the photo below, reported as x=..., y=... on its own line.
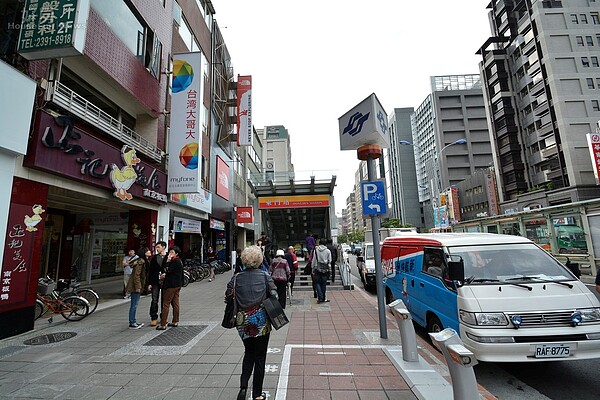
x=252, y=287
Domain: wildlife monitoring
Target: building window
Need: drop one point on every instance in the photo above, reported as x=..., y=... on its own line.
x=574, y=19
x=595, y=18
x=583, y=18
x=590, y=83
x=589, y=40
x=595, y=105
x=585, y=62
x=595, y=62
x=598, y=83
x=579, y=41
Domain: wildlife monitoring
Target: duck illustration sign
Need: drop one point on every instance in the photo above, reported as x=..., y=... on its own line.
x=122, y=178
x=61, y=147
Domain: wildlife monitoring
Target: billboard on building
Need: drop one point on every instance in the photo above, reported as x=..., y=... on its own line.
x=186, y=225
x=492, y=194
x=593, y=140
x=185, y=140
x=244, y=114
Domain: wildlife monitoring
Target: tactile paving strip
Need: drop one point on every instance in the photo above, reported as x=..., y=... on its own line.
x=176, y=336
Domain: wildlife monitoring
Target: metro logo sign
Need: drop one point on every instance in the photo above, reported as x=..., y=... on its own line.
x=275, y=202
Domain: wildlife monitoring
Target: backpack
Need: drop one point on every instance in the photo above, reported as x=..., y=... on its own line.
x=279, y=271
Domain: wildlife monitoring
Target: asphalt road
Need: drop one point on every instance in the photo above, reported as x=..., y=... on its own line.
x=532, y=381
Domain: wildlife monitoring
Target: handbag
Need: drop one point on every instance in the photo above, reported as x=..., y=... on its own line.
x=275, y=313
x=231, y=308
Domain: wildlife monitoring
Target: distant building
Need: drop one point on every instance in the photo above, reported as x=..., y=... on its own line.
x=450, y=139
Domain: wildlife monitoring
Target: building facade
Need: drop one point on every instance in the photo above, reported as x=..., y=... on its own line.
x=541, y=77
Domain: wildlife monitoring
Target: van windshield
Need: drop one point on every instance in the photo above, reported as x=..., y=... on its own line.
x=514, y=262
x=369, y=252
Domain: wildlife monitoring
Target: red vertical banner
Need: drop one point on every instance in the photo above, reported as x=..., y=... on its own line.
x=244, y=115
x=223, y=177
x=490, y=184
x=23, y=244
x=593, y=140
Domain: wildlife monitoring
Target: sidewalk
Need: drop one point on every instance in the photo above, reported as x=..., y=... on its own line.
x=328, y=351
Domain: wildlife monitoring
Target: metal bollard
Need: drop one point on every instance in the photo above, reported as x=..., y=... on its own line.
x=408, y=337
x=460, y=362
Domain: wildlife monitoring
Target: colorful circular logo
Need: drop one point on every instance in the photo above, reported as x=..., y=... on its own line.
x=183, y=75
x=188, y=156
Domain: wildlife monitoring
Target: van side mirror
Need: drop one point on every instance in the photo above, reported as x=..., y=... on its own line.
x=456, y=269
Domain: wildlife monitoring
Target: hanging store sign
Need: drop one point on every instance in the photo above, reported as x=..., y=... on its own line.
x=200, y=201
x=216, y=224
x=244, y=215
x=492, y=195
x=244, y=115
x=185, y=225
x=61, y=148
x=223, y=178
x=53, y=28
x=274, y=202
x=593, y=140
x=185, y=139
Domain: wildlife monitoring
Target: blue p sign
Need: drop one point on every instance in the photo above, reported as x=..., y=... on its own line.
x=373, y=198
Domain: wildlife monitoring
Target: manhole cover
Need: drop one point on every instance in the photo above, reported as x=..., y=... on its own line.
x=50, y=338
x=176, y=336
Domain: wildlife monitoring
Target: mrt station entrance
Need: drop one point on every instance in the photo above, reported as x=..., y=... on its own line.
x=289, y=211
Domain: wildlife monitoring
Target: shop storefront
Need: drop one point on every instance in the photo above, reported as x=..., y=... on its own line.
x=102, y=199
x=189, y=212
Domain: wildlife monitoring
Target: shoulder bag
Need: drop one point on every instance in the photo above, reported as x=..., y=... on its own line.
x=231, y=308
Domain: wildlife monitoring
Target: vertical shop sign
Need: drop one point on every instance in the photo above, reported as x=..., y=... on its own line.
x=244, y=116
x=490, y=184
x=244, y=215
x=22, y=245
x=185, y=140
x=53, y=28
x=593, y=140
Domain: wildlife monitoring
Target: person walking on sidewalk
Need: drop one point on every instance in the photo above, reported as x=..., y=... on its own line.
x=153, y=279
x=334, y=256
x=127, y=271
x=172, y=278
x=292, y=260
x=135, y=285
x=280, y=272
x=310, y=244
x=211, y=258
x=252, y=286
x=320, y=268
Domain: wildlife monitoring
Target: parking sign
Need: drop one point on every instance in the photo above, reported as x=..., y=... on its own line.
x=373, y=198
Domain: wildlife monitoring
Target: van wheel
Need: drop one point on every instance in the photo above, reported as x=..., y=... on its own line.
x=389, y=297
x=562, y=250
x=434, y=325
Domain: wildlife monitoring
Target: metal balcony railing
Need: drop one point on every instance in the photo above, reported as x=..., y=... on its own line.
x=71, y=101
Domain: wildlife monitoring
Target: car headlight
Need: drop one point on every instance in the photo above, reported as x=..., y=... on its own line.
x=483, y=319
x=590, y=314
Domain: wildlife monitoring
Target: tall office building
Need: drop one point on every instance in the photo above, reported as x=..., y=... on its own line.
x=541, y=75
x=402, y=178
x=450, y=138
x=277, y=154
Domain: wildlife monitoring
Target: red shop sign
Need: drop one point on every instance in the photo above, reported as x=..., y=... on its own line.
x=61, y=147
x=244, y=215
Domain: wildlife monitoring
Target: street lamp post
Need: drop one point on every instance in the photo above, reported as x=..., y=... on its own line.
x=438, y=185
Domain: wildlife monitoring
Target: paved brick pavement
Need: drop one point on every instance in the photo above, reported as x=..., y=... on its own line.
x=328, y=351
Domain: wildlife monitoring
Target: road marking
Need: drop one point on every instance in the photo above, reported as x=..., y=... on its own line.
x=282, y=383
x=328, y=353
x=336, y=373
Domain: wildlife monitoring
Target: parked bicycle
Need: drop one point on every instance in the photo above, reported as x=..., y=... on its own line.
x=70, y=287
x=72, y=308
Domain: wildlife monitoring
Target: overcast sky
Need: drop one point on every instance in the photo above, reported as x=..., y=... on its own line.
x=312, y=61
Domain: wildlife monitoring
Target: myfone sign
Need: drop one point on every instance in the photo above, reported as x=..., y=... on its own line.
x=363, y=125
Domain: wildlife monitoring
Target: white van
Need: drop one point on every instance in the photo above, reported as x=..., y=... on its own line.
x=510, y=300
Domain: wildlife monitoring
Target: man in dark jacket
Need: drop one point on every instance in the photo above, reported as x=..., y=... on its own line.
x=153, y=283
x=334, y=256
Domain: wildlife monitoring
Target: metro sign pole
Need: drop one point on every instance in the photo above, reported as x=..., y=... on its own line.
x=364, y=128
